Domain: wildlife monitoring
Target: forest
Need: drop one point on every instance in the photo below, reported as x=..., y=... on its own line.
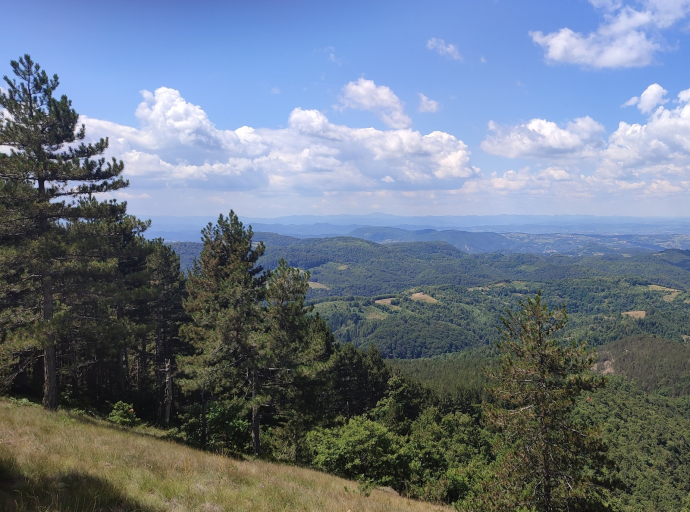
x=396, y=365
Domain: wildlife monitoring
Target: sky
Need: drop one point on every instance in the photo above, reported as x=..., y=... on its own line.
x=478, y=107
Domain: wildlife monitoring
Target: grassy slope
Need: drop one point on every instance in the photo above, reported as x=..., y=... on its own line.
x=69, y=462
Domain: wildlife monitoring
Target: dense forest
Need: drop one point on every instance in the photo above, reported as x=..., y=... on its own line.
x=397, y=365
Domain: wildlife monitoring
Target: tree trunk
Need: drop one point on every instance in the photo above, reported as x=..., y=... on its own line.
x=256, y=441
x=168, y=392
x=49, y=355
x=203, y=417
x=141, y=367
x=121, y=371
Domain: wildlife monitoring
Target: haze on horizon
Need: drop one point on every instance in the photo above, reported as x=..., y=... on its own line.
x=450, y=108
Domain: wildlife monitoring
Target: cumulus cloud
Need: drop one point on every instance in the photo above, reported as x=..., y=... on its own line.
x=684, y=96
x=652, y=158
x=443, y=48
x=381, y=100
x=427, y=105
x=660, y=146
x=626, y=38
x=178, y=145
x=540, y=138
x=652, y=97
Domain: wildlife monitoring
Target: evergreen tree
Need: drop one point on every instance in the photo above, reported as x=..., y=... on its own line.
x=168, y=283
x=45, y=179
x=225, y=290
x=547, y=460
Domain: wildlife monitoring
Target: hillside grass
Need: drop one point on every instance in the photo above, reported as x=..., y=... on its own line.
x=71, y=462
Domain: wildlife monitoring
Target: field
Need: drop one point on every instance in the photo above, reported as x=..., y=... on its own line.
x=71, y=462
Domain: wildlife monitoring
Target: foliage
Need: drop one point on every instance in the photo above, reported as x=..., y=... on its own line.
x=123, y=415
x=360, y=449
x=227, y=427
x=547, y=458
x=655, y=364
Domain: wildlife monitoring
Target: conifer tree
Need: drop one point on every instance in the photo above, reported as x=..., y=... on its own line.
x=547, y=460
x=45, y=178
x=168, y=283
x=225, y=289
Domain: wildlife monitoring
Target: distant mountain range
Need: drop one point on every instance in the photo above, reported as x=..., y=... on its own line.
x=186, y=229
x=477, y=243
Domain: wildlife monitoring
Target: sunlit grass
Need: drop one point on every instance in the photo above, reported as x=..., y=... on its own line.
x=70, y=462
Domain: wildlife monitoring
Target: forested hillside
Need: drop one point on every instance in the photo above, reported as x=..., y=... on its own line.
x=424, y=299
x=438, y=375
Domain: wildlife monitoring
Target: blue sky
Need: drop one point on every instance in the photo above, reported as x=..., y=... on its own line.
x=425, y=108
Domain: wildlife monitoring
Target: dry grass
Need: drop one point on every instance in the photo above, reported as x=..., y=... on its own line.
x=667, y=298
x=318, y=286
x=66, y=462
x=423, y=297
x=635, y=314
x=343, y=267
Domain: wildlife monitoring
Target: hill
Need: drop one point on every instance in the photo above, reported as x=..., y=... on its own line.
x=70, y=462
x=369, y=292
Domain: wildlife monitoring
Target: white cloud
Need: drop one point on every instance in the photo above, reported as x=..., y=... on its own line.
x=661, y=146
x=684, y=96
x=662, y=188
x=275, y=90
x=540, y=138
x=427, y=105
x=652, y=156
x=178, y=146
x=652, y=97
x=609, y=5
x=379, y=99
x=443, y=48
x=626, y=38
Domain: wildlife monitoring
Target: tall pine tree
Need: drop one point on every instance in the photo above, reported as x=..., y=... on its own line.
x=225, y=290
x=45, y=179
x=547, y=460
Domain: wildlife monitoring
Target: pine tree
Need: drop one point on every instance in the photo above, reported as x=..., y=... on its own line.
x=47, y=181
x=225, y=289
x=169, y=286
x=547, y=460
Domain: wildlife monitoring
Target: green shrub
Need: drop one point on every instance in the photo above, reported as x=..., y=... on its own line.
x=123, y=414
x=361, y=450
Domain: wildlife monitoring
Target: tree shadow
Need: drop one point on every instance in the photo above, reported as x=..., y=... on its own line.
x=68, y=492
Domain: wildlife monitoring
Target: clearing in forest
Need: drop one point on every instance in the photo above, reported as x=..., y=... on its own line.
x=318, y=286
x=423, y=297
x=635, y=314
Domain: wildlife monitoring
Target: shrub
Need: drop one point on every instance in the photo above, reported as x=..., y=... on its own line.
x=363, y=450
x=123, y=414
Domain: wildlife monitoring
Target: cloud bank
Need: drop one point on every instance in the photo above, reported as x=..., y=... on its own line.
x=177, y=155
x=643, y=159
x=177, y=145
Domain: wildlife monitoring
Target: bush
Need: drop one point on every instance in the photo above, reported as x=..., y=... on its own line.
x=123, y=414
x=363, y=450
